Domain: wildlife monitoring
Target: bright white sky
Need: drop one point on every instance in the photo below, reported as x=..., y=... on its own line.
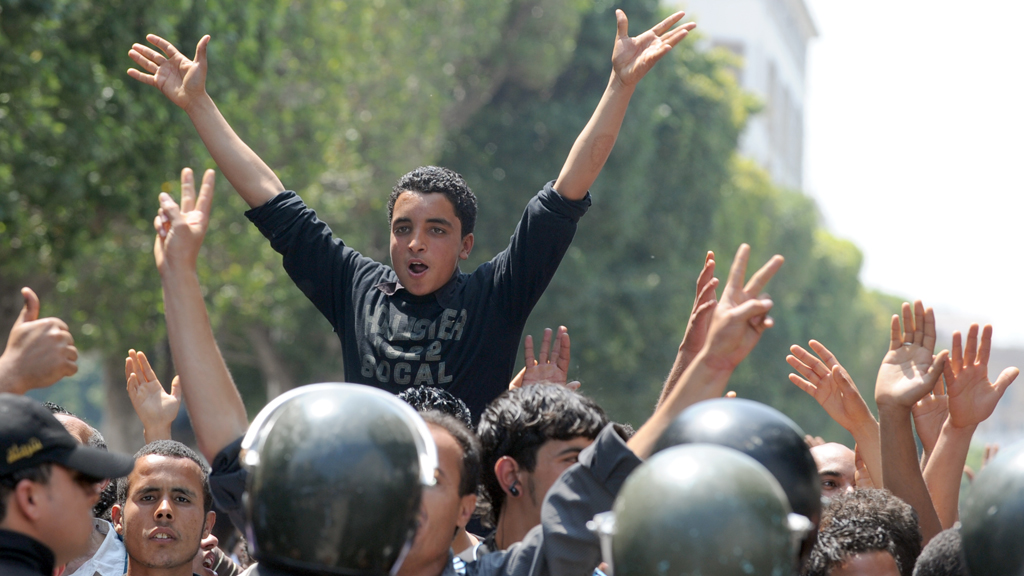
x=914, y=145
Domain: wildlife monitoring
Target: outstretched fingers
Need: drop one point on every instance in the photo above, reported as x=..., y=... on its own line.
x=201, y=49
x=676, y=36
x=621, y=25
x=530, y=359
x=1006, y=377
x=803, y=384
x=666, y=24
x=188, y=190
x=985, y=349
x=929, y=332
x=545, y=346
x=563, y=353
x=816, y=366
x=971, y=347
x=760, y=278
x=895, y=340
x=825, y=354
x=205, y=200
x=165, y=46
x=737, y=272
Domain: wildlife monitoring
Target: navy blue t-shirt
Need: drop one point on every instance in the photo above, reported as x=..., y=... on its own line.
x=462, y=338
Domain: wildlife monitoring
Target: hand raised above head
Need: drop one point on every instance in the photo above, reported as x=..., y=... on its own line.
x=40, y=351
x=548, y=369
x=909, y=370
x=829, y=383
x=156, y=409
x=181, y=228
x=183, y=81
x=972, y=398
x=634, y=56
x=742, y=313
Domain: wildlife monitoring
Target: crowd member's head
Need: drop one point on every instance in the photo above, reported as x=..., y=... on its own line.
x=336, y=474
x=530, y=435
x=943, y=556
x=424, y=398
x=89, y=436
x=866, y=532
x=993, y=517
x=837, y=466
x=49, y=482
x=447, y=505
x=701, y=509
x=164, y=507
x=432, y=213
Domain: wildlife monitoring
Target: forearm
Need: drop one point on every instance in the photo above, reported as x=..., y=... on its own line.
x=254, y=181
x=152, y=433
x=700, y=381
x=594, y=144
x=902, y=476
x=9, y=381
x=869, y=442
x=682, y=362
x=945, y=469
x=215, y=407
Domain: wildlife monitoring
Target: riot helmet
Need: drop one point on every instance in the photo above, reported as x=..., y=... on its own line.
x=336, y=474
x=761, y=432
x=701, y=509
x=993, y=517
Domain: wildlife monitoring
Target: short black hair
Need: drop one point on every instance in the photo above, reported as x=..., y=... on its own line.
x=170, y=449
x=58, y=409
x=469, y=475
x=520, y=421
x=424, y=398
x=96, y=440
x=865, y=521
x=943, y=556
x=429, y=179
x=40, y=474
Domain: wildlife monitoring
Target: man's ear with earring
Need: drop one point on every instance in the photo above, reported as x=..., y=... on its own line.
x=512, y=489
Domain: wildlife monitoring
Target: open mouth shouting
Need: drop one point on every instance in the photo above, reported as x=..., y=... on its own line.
x=161, y=534
x=417, y=268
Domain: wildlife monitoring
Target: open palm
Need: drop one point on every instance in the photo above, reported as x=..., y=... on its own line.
x=909, y=371
x=182, y=80
x=830, y=385
x=634, y=56
x=972, y=398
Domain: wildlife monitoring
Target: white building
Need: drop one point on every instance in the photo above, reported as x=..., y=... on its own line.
x=771, y=36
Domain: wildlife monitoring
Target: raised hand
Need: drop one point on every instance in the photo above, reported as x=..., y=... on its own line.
x=972, y=398
x=39, y=351
x=742, y=314
x=633, y=57
x=703, y=308
x=830, y=384
x=183, y=81
x=156, y=409
x=549, y=369
x=909, y=371
x=181, y=229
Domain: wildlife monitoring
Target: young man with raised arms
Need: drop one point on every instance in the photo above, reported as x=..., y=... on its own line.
x=422, y=321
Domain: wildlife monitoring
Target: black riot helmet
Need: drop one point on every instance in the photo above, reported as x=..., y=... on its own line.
x=761, y=432
x=336, y=473
x=993, y=517
x=701, y=509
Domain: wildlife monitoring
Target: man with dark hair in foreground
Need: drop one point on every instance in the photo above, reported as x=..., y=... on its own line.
x=530, y=435
x=163, y=509
x=866, y=532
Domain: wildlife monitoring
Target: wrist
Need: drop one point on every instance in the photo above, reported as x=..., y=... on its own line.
x=154, y=433
x=866, y=432
x=10, y=382
x=200, y=105
x=952, y=430
x=890, y=408
x=617, y=86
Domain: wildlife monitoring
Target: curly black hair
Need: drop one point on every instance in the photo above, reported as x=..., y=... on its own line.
x=429, y=179
x=424, y=398
x=520, y=421
x=943, y=556
x=865, y=521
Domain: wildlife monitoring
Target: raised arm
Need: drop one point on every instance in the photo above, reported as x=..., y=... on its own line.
x=156, y=408
x=704, y=303
x=632, y=58
x=736, y=326
x=972, y=398
x=183, y=81
x=830, y=384
x=908, y=372
x=39, y=351
x=217, y=412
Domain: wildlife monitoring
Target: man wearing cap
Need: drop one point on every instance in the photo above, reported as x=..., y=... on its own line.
x=48, y=486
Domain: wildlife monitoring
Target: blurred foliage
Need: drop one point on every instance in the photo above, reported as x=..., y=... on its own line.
x=342, y=97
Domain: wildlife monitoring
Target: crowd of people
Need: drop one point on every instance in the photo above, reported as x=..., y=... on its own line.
x=435, y=459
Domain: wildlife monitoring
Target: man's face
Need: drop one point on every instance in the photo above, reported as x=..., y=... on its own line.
x=553, y=458
x=836, y=466
x=442, y=510
x=67, y=519
x=426, y=241
x=873, y=563
x=163, y=520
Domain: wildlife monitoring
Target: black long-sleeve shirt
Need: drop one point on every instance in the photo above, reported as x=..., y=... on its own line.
x=462, y=338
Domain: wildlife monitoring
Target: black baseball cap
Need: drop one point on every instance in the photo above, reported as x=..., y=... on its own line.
x=30, y=435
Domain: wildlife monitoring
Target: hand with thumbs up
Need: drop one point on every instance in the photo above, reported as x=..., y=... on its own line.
x=39, y=351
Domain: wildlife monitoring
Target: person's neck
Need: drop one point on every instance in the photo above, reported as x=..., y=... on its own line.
x=513, y=524
x=95, y=541
x=137, y=569
x=463, y=541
